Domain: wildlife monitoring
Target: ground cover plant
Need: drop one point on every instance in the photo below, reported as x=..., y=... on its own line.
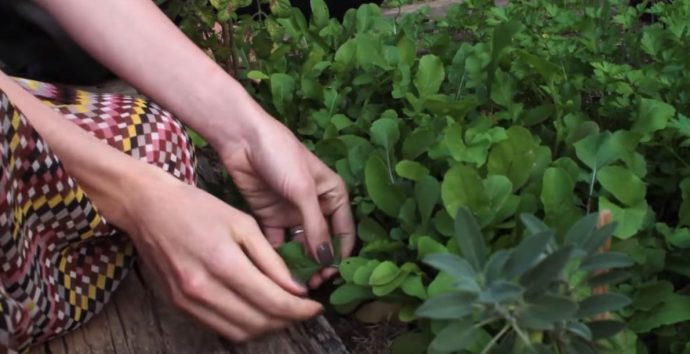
x=479, y=149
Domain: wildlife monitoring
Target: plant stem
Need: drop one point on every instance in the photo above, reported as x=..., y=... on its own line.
x=520, y=333
x=495, y=339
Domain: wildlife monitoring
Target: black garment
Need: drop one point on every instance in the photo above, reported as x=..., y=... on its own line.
x=33, y=46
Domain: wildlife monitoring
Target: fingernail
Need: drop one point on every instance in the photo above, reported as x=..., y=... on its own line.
x=299, y=282
x=324, y=253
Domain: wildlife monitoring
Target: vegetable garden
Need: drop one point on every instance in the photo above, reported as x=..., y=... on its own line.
x=482, y=150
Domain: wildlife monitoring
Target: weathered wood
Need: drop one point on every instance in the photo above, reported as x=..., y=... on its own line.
x=436, y=8
x=139, y=320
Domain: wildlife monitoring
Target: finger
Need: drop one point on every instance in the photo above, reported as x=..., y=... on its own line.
x=217, y=323
x=336, y=203
x=316, y=280
x=210, y=293
x=315, y=226
x=275, y=235
x=343, y=226
x=238, y=273
x=230, y=329
x=267, y=259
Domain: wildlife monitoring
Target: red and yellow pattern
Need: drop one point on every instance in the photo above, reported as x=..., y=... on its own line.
x=60, y=260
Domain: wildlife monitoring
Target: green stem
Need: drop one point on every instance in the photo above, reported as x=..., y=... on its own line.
x=495, y=339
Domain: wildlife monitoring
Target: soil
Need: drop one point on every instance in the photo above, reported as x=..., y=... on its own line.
x=362, y=338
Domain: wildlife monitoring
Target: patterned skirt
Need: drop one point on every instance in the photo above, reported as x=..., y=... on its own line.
x=60, y=260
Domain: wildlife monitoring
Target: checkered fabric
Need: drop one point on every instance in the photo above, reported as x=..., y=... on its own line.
x=60, y=260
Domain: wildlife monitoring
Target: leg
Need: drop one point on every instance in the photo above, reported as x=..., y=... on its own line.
x=60, y=259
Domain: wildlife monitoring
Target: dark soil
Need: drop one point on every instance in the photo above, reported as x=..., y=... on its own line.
x=362, y=338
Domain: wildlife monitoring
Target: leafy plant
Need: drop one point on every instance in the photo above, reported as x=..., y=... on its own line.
x=541, y=293
x=555, y=109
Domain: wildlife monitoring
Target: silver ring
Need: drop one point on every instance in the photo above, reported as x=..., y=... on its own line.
x=297, y=230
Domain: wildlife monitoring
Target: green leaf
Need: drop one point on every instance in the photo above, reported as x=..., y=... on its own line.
x=533, y=224
x=582, y=230
x=427, y=193
x=369, y=230
x=299, y=263
x=413, y=286
x=369, y=51
x=282, y=89
x=319, y=11
x=363, y=273
x=349, y=293
x=502, y=37
x=673, y=310
x=462, y=187
x=429, y=76
x=455, y=266
x=557, y=189
x=605, y=328
x=544, y=310
x=608, y=278
x=514, y=157
x=349, y=266
x=501, y=291
x=449, y=306
x=385, y=133
x=443, y=283
x=411, y=343
x=257, y=75
x=623, y=184
x=653, y=115
x=428, y=246
x=630, y=220
x=608, y=260
x=411, y=170
x=580, y=329
x=384, y=273
x=597, y=150
x=385, y=289
x=546, y=271
x=417, y=143
x=387, y=196
x=527, y=254
x=469, y=237
x=650, y=295
x=455, y=337
x=602, y=303
x=684, y=211
x=345, y=55
x=494, y=269
x=503, y=89
x=341, y=121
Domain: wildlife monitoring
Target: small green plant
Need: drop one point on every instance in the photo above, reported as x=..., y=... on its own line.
x=538, y=296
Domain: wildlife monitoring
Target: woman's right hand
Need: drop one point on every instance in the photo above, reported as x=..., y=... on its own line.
x=215, y=262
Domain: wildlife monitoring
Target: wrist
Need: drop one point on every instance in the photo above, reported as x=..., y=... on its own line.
x=228, y=117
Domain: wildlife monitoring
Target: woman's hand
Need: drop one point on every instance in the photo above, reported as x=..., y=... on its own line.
x=214, y=260
x=287, y=186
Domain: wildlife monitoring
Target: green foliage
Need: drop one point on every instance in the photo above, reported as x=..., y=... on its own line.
x=555, y=109
x=535, y=290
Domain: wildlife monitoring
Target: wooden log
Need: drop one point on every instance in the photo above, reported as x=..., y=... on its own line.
x=139, y=320
x=436, y=8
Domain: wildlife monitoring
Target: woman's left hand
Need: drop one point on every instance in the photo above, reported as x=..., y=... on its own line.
x=287, y=186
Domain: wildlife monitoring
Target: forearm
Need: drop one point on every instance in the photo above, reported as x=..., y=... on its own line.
x=109, y=176
x=140, y=44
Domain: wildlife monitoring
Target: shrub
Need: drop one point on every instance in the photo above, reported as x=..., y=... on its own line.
x=554, y=109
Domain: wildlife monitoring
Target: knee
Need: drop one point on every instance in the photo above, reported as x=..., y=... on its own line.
x=162, y=140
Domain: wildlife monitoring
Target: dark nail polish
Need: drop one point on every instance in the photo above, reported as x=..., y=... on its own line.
x=325, y=254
